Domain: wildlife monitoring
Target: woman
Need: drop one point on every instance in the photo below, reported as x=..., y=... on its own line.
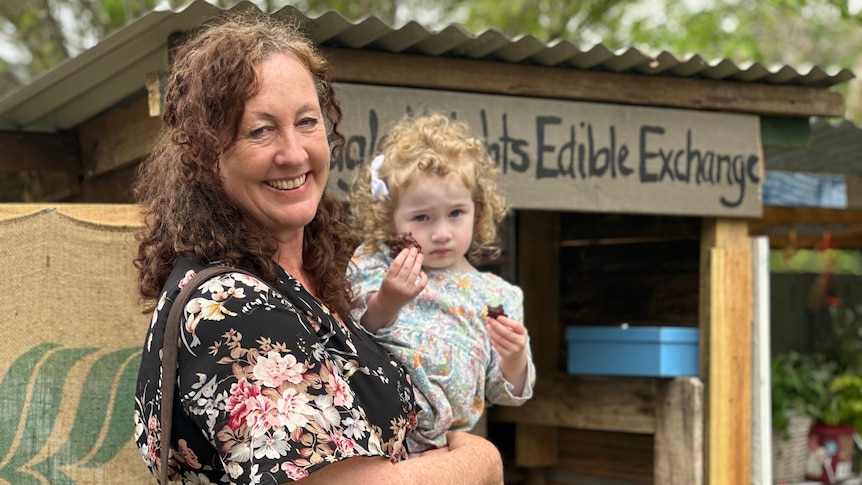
x=274, y=382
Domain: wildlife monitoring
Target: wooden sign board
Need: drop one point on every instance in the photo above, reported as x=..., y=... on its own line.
x=575, y=156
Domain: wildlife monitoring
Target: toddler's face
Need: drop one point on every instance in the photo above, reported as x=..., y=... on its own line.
x=439, y=212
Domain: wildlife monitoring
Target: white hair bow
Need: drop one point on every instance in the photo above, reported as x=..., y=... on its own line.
x=378, y=186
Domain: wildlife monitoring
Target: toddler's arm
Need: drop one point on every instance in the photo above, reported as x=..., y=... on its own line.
x=509, y=338
x=403, y=282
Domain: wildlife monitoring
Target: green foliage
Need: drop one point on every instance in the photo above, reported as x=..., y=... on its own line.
x=546, y=20
x=800, y=382
x=845, y=405
x=845, y=347
x=40, y=31
x=837, y=261
x=826, y=385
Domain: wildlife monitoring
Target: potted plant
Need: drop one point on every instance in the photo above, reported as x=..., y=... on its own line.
x=837, y=414
x=799, y=384
x=837, y=419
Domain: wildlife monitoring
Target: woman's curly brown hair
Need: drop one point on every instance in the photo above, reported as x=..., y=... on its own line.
x=186, y=211
x=417, y=147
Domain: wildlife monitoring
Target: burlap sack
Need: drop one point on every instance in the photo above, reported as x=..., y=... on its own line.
x=72, y=332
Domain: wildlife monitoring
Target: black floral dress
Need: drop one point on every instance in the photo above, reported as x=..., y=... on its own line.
x=270, y=386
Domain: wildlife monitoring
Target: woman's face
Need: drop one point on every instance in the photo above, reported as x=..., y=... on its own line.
x=277, y=168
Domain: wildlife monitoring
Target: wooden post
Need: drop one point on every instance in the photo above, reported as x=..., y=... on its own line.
x=725, y=349
x=678, y=448
x=538, y=249
x=761, y=366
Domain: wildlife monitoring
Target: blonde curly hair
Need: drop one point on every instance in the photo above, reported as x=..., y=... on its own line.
x=431, y=144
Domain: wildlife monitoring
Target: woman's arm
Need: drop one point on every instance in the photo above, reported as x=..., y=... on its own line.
x=471, y=460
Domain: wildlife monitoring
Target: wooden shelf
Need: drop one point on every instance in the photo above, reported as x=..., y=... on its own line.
x=570, y=243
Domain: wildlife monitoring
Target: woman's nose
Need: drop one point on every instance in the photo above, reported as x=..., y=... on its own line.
x=290, y=148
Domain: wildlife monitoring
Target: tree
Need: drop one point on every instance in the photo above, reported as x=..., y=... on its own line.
x=799, y=33
x=43, y=33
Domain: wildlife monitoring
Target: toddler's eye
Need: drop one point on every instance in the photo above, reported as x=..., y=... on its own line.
x=456, y=213
x=420, y=218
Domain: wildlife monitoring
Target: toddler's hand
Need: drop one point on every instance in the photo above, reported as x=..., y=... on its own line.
x=509, y=339
x=404, y=280
x=508, y=336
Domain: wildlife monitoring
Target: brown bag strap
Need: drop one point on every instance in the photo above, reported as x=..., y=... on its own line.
x=169, y=359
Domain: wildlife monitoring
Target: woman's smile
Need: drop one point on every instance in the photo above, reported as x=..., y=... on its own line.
x=289, y=184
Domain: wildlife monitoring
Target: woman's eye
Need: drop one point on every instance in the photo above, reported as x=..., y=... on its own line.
x=257, y=132
x=308, y=122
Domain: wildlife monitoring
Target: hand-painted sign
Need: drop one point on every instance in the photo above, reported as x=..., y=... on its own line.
x=567, y=155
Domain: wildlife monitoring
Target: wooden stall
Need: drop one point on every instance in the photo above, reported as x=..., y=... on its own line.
x=614, y=219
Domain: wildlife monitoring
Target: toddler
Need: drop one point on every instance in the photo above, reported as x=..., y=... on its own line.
x=434, y=185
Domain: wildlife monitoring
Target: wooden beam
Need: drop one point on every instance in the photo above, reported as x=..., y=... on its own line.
x=537, y=249
x=39, y=152
x=624, y=404
x=538, y=255
x=678, y=453
x=43, y=186
x=725, y=349
x=156, y=83
x=804, y=227
x=598, y=457
x=775, y=216
x=39, y=166
x=114, y=187
x=536, y=446
x=849, y=238
x=120, y=137
x=429, y=72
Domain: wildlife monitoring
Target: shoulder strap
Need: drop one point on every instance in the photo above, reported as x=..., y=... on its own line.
x=169, y=360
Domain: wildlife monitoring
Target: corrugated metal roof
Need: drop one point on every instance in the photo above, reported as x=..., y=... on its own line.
x=115, y=68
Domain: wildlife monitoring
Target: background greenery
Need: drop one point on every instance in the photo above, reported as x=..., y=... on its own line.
x=38, y=34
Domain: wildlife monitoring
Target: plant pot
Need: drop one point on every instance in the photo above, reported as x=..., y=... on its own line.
x=790, y=449
x=830, y=453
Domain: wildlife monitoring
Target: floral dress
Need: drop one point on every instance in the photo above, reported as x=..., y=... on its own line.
x=270, y=387
x=440, y=336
